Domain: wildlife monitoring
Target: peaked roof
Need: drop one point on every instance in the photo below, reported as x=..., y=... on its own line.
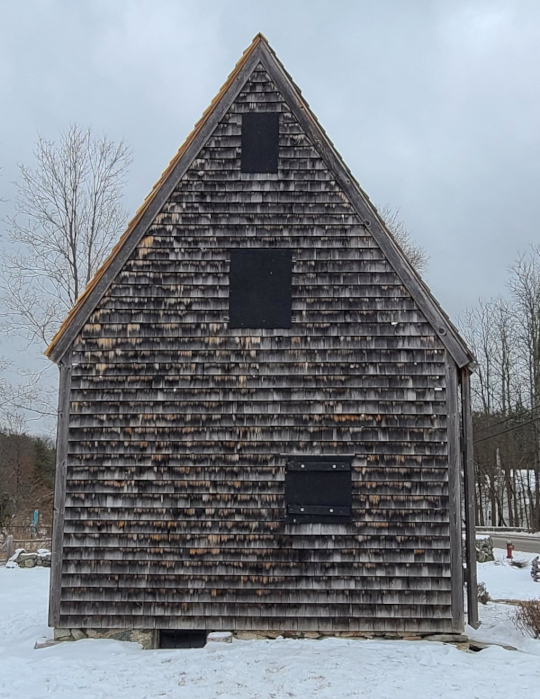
x=259, y=52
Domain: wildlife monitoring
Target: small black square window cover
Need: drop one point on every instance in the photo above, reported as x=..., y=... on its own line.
x=260, y=288
x=260, y=142
x=318, y=489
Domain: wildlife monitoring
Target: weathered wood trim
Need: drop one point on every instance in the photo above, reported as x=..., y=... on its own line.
x=95, y=296
x=60, y=488
x=470, y=514
x=454, y=492
x=416, y=287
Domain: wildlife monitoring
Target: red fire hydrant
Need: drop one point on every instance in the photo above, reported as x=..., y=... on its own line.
x=509, y=549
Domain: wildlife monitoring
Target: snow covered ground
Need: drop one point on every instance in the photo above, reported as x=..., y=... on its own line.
x=281, y=669
x=504, y=581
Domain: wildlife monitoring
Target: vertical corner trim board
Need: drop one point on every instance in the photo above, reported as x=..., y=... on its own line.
x=470, y=504
x=62, y=434
x=454, y=491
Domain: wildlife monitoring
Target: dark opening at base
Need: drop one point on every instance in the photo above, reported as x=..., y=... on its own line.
x=182, y=639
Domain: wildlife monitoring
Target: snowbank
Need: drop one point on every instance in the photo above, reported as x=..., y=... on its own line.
x=498, y=627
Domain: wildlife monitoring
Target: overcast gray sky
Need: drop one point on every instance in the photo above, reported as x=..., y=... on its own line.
x=433, y=104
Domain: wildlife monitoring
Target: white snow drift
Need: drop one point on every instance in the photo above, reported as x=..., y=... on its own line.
x=281, y=669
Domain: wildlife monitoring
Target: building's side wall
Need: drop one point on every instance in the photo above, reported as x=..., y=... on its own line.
x=175, y=474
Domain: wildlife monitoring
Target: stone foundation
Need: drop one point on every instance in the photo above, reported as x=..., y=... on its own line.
x=148, y=639
x=456, y=638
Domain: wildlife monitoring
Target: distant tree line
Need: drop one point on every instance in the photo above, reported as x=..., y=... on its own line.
x=504, y=334
x=26, y=477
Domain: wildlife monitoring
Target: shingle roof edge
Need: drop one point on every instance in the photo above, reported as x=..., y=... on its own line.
x=50, y=351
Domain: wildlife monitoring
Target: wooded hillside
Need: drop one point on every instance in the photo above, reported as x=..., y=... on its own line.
x=26, y=478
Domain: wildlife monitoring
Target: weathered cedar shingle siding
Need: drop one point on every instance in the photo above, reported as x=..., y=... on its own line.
x=179, y=425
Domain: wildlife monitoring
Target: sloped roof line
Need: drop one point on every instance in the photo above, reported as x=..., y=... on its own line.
x=49, y=352
x=260, y=52
x=419, y=290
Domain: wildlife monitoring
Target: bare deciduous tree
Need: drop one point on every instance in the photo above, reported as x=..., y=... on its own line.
x=68, y=215
x=22, y=397
x=416, y=254
x=525, y=287
x=491, y=329
x=504, y=335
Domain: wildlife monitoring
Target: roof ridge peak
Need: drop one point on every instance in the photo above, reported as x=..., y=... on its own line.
x=259, y=52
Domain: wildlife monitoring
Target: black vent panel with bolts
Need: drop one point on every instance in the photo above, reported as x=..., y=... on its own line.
x=318, y=489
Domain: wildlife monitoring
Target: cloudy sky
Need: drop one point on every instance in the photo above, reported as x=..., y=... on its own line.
x=433, y=104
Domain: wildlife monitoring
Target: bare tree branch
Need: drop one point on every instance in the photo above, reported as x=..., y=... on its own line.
x=68, y=216
x=416, y=254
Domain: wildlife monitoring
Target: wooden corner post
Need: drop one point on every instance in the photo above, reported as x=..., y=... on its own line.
x=469, y=489
x=454, y=495
x=60, y=488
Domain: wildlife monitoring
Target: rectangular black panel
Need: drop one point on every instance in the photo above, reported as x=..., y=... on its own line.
x=260, y=288
x=318, y=489
x=182, y=639
x=260, y=142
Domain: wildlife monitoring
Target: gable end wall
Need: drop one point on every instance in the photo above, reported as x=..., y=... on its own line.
x=174, y=510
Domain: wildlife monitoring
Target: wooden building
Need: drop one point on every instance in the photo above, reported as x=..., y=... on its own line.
x=264, y=417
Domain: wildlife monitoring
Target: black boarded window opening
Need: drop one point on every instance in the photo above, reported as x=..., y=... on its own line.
x=182, y=639
x=260, y=142
x=318, y=489
x=260, y=288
